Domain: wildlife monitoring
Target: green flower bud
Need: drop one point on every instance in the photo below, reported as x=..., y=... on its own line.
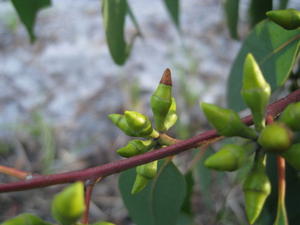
x=68, y=206
x=120, y=121
x=255, y=91
x=135, y=147
x=161, y=100
x=257, y=188
x=139, y=184
x=103, y=223
x=275, y=138
x=147, y=170
x=226, y=121
x=140, y=124
x=229, y=158
x=287, y=18
x=25, y=219
x=171, y=117
x=292, y=156
x=291, y=116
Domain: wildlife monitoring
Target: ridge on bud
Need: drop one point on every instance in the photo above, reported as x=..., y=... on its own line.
x=226, y=121
x=120, y=121
x=257, y=187
x=255, y=91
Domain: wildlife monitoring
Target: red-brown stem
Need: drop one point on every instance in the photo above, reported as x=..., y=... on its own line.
x=281, y=179
x=88, y=193
x=114, y=167
x=14, y=172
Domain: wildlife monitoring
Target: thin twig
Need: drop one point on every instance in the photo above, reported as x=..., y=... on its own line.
x=14, y=172
x=114, y=167
x=88, y=193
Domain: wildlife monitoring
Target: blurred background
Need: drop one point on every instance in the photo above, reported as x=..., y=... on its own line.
x=55, y=95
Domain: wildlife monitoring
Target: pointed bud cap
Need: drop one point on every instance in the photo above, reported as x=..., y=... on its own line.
x=139, y=184
x=229, y=158
x=291, y=116
x=255, y=91
x=226, y=121
x=287, y=18
x=147, y=170
x=275, y=138
x=135, y=147
x=120, y=121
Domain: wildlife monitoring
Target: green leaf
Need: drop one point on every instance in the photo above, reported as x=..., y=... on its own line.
x=68, y=206
x=25, y=219
x=160, y=202
x=187, y=203
x=27, y=11
x=232, y=15
x=114, y=14
x=275, y=50
x=205, y=179
x=258, y=9
x=173, y=8
x=283, y=4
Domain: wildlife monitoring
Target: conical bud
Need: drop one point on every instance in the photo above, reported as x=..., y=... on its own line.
x=161, y=100
x=255, y=91
x=291, y=116
x=120, y=121
x=226, y=121
x=257, y=188
x=147, y=170
x=292, y=156
x=68, y=206
x=275, y=138
x=140, y=124
x=139, y=184
x=287, y=18
x=135, y=147
x=229, y=158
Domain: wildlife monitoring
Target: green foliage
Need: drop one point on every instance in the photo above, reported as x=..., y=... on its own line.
x=114, y=14
x=27, y=11
x=160, y=202
x=275, y=50
x=258, y=9
x=232, y=15
x=173, y=9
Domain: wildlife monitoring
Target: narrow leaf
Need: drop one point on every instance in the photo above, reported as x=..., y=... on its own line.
x=160, y=202
x=232, y=15
x=27, y=11
x=114, y=13
x=275, y=50
x=173, y=8
x=283, y=4
x=258, y=9
x=187, y=204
